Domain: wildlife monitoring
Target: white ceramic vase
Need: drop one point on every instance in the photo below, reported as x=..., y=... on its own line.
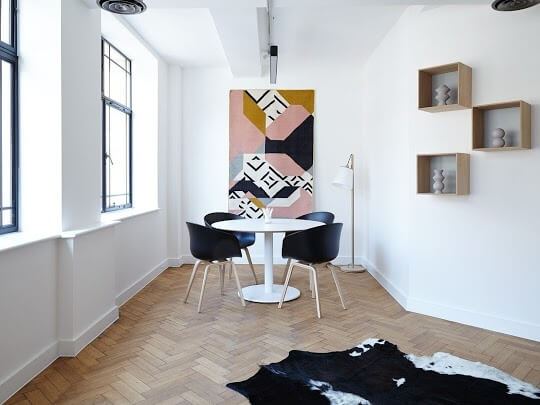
x=442, y=94
x=497, y=136
x=438, y=178
x=267, y=212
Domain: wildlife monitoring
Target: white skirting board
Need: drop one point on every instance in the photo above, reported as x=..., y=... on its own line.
x=480, y=320
x=340, y=260
x=27, y=371
x=69, y=348
x=142, y=282
x=395, y=292
x=451, y=313
x=62, y=348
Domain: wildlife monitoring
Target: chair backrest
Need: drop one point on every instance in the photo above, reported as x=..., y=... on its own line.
x=213, y=217
x=321, y=216
x=210, y=244
x=315, y=245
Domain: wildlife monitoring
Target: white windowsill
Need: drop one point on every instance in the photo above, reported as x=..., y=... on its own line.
x=17, y=240
x=20, y=239
x=79, y=232
x=121, y=215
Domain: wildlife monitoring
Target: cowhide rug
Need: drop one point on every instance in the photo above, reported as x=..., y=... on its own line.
x=376, y=372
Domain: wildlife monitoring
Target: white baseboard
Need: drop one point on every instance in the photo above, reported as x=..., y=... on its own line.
x=142, y=282
x=480, y=320
x=175, y=262
x=450, y=313
x=395, y=292
x=188, y=259
x=71, y=348
x=13, y=383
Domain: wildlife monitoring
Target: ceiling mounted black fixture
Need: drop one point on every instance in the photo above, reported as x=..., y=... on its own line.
x=125, y=7
x=513, y=5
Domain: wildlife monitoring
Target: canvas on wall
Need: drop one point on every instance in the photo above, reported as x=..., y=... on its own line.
x=271, y=152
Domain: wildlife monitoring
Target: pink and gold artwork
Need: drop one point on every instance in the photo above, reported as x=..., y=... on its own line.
x=271, y=152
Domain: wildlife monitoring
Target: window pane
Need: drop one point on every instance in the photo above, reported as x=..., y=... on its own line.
x=118, y=85
x=105, y=84
x=5, y=21
x=7, y=217
x=6, y=141
x=117, y=164
x=118, y=58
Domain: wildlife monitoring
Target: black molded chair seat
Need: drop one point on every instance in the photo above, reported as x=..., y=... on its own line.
x=315, y=245
x=312, y=247
x=245, y=239
x=319, y=216
x=215, y=248
x=210, y=244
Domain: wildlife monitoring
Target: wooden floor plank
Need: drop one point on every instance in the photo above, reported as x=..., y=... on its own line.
x=163, y=351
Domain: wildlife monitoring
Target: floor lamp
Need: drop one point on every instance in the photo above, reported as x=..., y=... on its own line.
x=345, y=179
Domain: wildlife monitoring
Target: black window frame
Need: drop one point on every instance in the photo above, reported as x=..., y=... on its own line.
x=9, y=54
x=108, y=102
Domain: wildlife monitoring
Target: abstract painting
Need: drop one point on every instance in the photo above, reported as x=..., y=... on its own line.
x=271, y=152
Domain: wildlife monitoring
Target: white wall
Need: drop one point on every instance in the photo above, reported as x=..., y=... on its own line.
x=40, y=117
x=174, y=156
x=385, y=184
x=472, y=259
x=205, y=141
x=81, y=131
x=57, y=295
x=27, y=313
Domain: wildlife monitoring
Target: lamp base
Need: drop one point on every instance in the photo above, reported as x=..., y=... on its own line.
x=349, y=268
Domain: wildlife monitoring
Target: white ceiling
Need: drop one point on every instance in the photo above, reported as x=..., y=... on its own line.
x=182, y=36
x=208, y=33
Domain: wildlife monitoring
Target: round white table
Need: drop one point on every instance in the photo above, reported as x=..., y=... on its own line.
x=268, y=292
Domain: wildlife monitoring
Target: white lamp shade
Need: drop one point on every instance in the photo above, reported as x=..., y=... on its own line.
x=344, y=178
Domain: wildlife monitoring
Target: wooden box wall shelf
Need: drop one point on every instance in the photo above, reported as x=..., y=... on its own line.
x=520, y=142
x=461, y=169
x=426, y=88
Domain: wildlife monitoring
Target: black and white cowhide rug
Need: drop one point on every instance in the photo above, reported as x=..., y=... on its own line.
x=376, y=372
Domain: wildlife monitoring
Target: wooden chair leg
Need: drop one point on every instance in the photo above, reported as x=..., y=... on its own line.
x=336, y=281
x=316, y=288
x=285, y=271
x=286, y=284
x=248, y=256
x=233, y=266
x=195, y=268
x=203, y=286
x=222, y=276
x=311, y=284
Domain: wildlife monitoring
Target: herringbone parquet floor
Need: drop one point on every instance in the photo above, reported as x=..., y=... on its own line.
x=163, y=351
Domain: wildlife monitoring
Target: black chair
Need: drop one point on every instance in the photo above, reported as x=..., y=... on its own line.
x=320, y=216
x=245, y=239
x=213, y=248
x=310, y=249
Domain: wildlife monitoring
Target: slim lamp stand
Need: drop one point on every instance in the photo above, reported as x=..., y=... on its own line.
x=345, y=179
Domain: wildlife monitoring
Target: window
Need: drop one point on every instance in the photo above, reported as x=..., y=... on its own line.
x=8, y=117
x=117, y=129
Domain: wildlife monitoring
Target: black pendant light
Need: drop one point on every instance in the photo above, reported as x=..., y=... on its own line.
x=513, y=5
x=125, y=7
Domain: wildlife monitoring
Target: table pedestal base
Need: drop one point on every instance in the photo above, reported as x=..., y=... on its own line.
x=256, y=293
